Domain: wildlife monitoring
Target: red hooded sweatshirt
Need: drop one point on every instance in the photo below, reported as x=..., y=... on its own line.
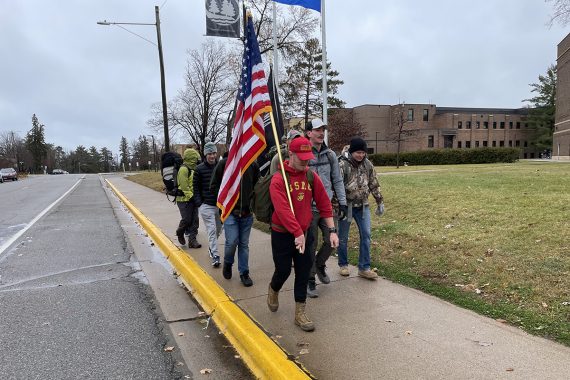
x=301, y=195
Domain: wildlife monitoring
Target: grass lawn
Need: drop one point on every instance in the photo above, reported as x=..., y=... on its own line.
x=492, y=238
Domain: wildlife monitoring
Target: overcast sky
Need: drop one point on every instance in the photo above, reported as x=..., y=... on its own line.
x=90, y=84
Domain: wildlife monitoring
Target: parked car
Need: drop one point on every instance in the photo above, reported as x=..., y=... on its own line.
x=57, y=171
x=9, y=173
x=1, y=178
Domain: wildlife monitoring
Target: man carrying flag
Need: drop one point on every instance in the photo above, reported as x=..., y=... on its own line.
x=235, y=176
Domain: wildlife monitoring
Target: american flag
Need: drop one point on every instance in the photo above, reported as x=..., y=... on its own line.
x=248, y=137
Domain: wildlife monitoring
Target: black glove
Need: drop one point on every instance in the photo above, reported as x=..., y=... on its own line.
x=342, y=212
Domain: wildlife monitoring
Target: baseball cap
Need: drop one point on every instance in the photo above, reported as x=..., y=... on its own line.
x=292, y=134
x=315, y=124
x=302, y=147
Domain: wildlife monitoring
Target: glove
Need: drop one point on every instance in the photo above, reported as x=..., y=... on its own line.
x=380, y=209
x=342, y=212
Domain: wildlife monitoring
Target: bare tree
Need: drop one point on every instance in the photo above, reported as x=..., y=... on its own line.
x=342, y=127
x=561, y=12
x=200, y=110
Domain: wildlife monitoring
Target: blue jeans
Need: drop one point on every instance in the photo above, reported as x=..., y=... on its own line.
x=236, y=231
x=361, y=216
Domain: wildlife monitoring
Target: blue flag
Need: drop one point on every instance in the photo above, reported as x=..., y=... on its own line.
x=310, y=4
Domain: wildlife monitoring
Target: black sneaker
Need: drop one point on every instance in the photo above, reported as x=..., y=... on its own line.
x=312, y=289
x=227, y=271
x=245, y=279
x=322, y=274
x=181, y=238
x=195, y=244
x=216, y=261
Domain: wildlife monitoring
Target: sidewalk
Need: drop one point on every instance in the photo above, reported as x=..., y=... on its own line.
x=371, y=330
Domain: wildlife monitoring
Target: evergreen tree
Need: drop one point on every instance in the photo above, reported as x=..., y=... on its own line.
x=542, y=113
x=304, y=85
x=106, y=159
x=35, y=143
x=124, y=152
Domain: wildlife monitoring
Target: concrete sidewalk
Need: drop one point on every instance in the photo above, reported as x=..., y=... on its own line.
x=371, y=330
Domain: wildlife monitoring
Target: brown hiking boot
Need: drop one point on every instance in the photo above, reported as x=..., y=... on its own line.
x=272, y=299
x=344, y=271
x=301, y=318
x=368, y=274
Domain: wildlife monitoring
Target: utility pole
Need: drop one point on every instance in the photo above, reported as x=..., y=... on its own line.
x=162, y=82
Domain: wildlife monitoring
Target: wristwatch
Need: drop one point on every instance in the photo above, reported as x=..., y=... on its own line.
x=332, y=230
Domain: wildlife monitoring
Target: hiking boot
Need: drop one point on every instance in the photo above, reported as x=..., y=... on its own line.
x=194, y=244
x=216, y=262
x=272, y=299
x=344, y=271
x=301, y=318
x=245, y=279
x=322, y=275
x=227, y=271
x=368, y=274
x=312, y=289
x=181, y=238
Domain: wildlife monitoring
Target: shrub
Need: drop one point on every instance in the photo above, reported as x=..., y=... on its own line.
x=448, y=156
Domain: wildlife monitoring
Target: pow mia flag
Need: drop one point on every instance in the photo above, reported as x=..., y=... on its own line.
x=222, y=18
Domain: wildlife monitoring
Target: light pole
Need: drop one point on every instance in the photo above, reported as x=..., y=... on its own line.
x=154, y=153
x=161, y=60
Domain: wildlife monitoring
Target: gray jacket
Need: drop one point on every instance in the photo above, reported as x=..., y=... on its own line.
x=326, y=166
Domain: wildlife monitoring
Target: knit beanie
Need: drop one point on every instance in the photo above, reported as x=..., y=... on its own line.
x=356, y=144
x=210, y=147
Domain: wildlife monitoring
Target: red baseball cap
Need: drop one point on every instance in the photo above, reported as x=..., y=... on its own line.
x=302, y=147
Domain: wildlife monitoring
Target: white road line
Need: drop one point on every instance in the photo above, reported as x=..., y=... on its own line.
x=10, y=241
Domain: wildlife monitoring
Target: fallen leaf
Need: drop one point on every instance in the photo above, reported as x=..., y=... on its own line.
x=510, y=369
x=278, y=336
x=544, y=305
x=169, y=349
x=303, y=351
x=302, y=344
x=180, y=334
x=409, y=332
x=388, y=320
x=205, y=371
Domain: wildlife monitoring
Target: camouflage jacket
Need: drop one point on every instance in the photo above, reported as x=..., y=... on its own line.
x=359, y=181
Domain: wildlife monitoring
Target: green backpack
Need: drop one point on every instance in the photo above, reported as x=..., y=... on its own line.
x=261, y=204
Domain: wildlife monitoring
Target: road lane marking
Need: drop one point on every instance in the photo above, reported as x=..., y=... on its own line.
x=18, y=234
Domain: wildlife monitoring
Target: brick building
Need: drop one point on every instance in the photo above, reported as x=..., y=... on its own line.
x=425, y=126
x=561, y=136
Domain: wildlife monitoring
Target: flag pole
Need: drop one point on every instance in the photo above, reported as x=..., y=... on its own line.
x=324, y=56
x=275, y=52
x=278, y=145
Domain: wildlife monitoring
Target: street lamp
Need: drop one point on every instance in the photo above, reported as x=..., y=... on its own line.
x=161, y=60
x=154, y=153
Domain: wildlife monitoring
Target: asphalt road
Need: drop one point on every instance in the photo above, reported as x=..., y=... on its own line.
x=69, y=305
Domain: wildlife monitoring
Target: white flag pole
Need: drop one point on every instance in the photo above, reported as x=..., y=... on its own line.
x=324, y=43
x=275, y=56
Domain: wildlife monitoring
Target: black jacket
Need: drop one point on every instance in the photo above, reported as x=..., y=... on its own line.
x=248, y=180
x=201, y=184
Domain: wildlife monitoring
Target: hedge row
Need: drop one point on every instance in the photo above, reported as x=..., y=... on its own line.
x=448, y=156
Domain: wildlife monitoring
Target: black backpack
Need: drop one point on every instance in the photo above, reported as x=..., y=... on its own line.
x=170, y=163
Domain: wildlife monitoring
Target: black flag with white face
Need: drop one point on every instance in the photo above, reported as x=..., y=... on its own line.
x=222, y=18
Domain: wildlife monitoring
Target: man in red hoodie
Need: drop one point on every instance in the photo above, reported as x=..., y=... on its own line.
x=288, y=228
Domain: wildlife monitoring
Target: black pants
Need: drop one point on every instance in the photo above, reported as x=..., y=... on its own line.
x=189, y=221
x=285, y=253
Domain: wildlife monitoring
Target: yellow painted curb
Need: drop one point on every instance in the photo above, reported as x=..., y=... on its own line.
x=265, y=358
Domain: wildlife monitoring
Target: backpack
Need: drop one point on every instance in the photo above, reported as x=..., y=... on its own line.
x=170, y=163
x=261, y=204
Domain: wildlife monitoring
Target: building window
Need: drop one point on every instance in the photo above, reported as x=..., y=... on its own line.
x=468, y=144
x=459, y=125
x=494, y=125
x=502, y=143
x=485, y=144
x=518, y=143
x=510, y=125
x=459, y=144
x=502, y=125
x=510, y=143
x=526, y=125
x=525, y=144
x=486, y=124
x=494, y=143
x=518, y=125
x=430, y=141
x=525, y=155
x=477, y=124
x=410, y=114
x=468, y=125
x=426, y=114
x=476, y=144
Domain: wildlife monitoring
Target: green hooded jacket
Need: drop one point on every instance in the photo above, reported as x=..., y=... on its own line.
x=185, y=179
